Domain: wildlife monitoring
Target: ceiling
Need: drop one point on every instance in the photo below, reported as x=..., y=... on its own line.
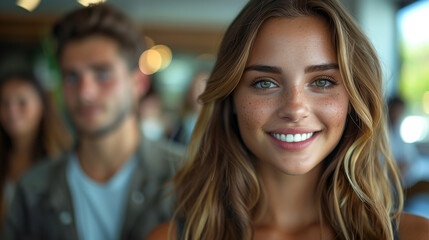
x=190, y=13
x=185, y=25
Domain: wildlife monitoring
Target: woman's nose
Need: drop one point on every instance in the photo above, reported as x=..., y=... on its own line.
x=293, y=105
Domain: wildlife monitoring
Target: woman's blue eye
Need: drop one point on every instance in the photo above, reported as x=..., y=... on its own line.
x=264, y=84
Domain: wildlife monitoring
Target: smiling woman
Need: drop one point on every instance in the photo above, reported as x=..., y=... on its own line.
x=290, y=140
x=292, y=95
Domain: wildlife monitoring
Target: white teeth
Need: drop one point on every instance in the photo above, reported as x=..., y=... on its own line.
x=297, y=138
x=292, y=137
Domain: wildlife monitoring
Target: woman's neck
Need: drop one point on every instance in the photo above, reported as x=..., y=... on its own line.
x=23, y=144
x=291, y=201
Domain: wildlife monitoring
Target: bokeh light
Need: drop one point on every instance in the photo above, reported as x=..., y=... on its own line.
x=155, y=59
x=86, y=3
x=29, y=5
x=165, y=53
x=414, y=129
x=150, y=62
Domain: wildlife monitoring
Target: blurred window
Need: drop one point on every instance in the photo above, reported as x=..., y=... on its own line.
x=414, y=73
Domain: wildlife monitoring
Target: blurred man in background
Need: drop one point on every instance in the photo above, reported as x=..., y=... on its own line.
x=190, y=110
x=110, y=185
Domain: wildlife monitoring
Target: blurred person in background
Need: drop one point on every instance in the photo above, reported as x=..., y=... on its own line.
x=188, y=115
x=152, y=121
x=110, y=185
x=30, y=129
x=405, y=154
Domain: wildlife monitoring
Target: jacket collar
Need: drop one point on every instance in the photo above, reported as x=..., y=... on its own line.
x=60, y=199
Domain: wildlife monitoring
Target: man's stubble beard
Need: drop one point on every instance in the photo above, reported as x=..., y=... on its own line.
x=103, y=131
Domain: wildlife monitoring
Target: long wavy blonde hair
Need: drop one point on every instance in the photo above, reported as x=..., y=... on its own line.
x=218, y=190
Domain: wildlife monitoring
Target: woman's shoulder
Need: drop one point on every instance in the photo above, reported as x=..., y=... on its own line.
x=161, y=232
x=413, y=227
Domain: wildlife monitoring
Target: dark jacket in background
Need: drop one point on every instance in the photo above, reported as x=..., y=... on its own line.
x=42, y=207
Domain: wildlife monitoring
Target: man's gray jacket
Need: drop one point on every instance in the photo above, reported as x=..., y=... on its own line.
x=42, y=207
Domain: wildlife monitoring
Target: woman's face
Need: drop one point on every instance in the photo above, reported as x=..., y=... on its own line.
x=291, y=104
x=20, y=108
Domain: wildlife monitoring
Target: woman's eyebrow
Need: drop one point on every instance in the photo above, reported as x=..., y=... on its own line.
x=277, y=70
x=321, y=67
x=264, y=68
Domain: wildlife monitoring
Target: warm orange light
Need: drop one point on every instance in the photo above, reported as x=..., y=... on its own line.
x=166, y=55
x=150, y=62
